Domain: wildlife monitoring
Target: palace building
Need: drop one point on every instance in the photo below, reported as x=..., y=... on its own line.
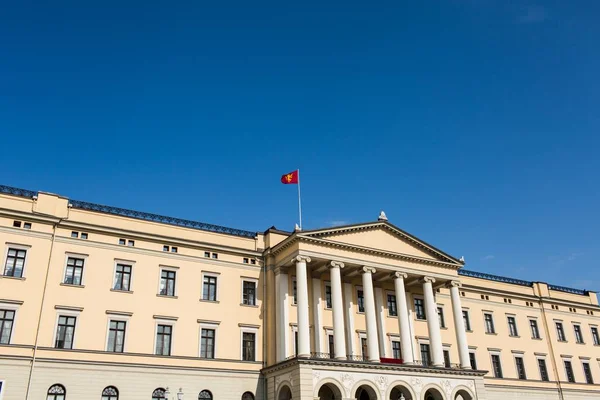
x=104, y=303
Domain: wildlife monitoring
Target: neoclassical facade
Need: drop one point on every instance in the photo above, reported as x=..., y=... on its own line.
x=98, y=302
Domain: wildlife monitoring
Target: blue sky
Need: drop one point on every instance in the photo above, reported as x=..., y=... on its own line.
x=473, y=124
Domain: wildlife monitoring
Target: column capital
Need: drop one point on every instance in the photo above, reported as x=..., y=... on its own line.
x=299, y=258
x=427, y=279
x=368, y=270
x=335, y=264
x=451, y=284
x=399, y=274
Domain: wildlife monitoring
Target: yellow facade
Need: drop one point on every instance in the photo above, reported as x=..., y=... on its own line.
x=87, y=293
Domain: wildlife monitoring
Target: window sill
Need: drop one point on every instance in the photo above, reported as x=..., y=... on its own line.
x=249, y=305
x=209, y=301
x=16, y=278
x=562, y=341
x=121, y=291
x=468, y=331
x=72, y=285
x=579, y=342
x=491, y=333
x=328, y=308
x=514, y=336
x=392, y=316
x=421, y=319
x=536, y=338
x=444, y=328
x=166, y=296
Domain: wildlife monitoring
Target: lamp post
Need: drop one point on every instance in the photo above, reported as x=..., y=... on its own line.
x=180, y=394
x=167, y=393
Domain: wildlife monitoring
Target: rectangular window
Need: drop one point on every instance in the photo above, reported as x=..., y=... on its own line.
x=209, y=289
x=328, y=296
x=296, y=343
x=166, y=248
x=512, y=326
x=497, y=366
x=122, y=242
x=535, y=332
x=578, y=335
x=489, y=323
x=249, y=293
x=74, y=271
x=116, y=336
x=440, y=312
x=543, y=369
x=248, y=346
x=466, y=320
x=425, y=355
x=207, y=254
x=130, y=243
x=595, y=336
x=560, y=332
x=391, y=304
x=207, y=343
x=215, y=256
x=360, y=299
x=446, y=359
x=167, y=283
x=473, y=361
x=74, y=234
x=84, y=236
x=7, y=319
x=65, y=332
x=396, y=350
x=294, y=291
x=122, y=277
x=520, y=368
x=174, y=249
x=331, y=348
x=27, y=225
x=17, y=224
x=365, y=349
x=588, y=373
x=15, y=261
x=569, y=371
x=420, y=309
x=164, y=334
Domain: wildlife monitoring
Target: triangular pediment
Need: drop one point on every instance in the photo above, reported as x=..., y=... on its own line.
x=382, y=237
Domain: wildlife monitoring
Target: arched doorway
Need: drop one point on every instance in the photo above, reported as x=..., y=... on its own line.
x=400, y=393
x=285, y=393
x=463, y=395
x=365, y=392
x=433, y=394
x=329, y=391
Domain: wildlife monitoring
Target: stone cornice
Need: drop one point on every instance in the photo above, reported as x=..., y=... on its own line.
x=370, y=366
x=299, y=237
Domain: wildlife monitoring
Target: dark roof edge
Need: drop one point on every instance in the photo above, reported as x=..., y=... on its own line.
x=513, y=281
x=123, y=212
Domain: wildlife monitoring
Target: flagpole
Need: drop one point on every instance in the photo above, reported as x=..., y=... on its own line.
x=299, y=200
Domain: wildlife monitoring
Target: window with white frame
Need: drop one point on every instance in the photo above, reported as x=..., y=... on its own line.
x=543, y=369
x=248, y=345
x=466, y=320
x=209, y=287
x=391, y=305
x=164, y=342
x=207, y=341
x=328, y=303
x=249, y=292
x=360, y=299
x=294, y=291
x=512, y=325
x=587, y=372
x=7, y=320
x=569, y=370
x=122, y=277
x=396, y=349
x=167, y=282
x=420, y=308
x=535, y=332
x=520, y=365
x=595, y=336
x=74, y=270
x=16, y=257
x=116, y=336
x=497, y=365
x=578, y=334
x=473, y=360
x=440, y=312
x=65, y=332
x=489, y=323
x=560, y=332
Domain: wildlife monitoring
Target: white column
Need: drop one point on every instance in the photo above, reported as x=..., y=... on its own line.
x=433, y=324
x=380, y=315
x=302, y=306
x=339, y=342
x=318, y=314
x=459, y=325
x=349, y=311
x=282, y=318
x=403, y=321
x=372, y=345
x=411, y=323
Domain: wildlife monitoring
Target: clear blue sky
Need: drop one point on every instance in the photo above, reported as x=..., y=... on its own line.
x=473, y=124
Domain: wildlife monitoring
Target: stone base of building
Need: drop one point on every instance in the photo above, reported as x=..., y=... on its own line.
x=84, y=381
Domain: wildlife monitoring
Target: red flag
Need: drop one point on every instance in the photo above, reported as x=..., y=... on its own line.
x=290, y=178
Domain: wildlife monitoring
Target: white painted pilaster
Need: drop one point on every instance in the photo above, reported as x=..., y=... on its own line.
x=384, y=349
x=349, y=311
x=318, y=315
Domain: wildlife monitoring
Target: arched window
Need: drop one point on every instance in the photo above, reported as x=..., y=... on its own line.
x=110, y=393
x=158, y=394
x=57, y=392
x=248, y=396
x=205, y=395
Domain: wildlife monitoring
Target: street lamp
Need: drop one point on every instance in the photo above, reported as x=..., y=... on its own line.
x=180, y=395
x=167, y=393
